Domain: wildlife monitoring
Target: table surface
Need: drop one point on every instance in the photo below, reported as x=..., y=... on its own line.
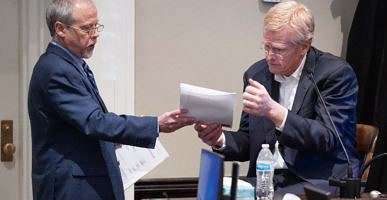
x=186, y=188
x=303, y=197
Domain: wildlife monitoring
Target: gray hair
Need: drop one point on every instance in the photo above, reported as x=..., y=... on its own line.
x=59, y=10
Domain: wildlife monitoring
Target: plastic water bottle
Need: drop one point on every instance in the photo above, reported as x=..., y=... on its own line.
x=265, y=170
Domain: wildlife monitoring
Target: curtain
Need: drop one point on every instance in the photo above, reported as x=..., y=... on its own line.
x=366, y=53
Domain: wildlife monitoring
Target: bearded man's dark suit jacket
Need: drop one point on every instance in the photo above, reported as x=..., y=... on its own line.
x=73, y=134
x=310, y=150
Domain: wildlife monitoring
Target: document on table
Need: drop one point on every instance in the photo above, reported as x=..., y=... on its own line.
x=136, y=162
x=207, y=104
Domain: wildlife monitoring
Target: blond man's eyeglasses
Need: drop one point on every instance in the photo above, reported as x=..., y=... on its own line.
x=276, y=53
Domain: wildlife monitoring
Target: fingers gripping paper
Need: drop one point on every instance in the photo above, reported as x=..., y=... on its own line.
x=207, y=104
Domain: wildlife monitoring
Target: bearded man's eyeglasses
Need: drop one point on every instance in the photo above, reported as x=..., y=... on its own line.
x=91, y=30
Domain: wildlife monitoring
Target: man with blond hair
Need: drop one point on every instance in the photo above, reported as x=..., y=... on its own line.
x=280, y=104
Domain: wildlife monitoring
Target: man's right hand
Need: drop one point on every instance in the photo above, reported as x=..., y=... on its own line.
x=172, y=121
x=210, y=134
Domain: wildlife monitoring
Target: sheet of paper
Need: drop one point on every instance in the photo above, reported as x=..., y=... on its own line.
x=207, y=104
x=136, y=162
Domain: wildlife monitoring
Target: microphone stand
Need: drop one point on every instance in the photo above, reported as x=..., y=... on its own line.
x=349, y=186
x=234, y=181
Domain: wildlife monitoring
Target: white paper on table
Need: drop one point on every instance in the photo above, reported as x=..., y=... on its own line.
x=207, y=104
x=136, y=162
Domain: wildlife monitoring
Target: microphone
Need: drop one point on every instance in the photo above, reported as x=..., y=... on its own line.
x=349, y=187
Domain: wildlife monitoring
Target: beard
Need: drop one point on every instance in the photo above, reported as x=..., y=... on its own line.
x=87, y=54
x=88, y=51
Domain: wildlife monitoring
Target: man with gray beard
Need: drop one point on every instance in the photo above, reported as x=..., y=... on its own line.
x=73, y=134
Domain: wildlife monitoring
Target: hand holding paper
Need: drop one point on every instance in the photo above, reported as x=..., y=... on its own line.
x=171, y=121
x=210, y=134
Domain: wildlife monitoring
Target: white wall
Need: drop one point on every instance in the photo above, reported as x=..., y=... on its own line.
x=210, y=44
x=113, y=59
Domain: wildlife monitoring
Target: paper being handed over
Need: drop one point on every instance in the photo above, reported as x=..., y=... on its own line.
x=207, y=104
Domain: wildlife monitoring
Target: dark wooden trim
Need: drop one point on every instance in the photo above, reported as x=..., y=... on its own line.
x=165, y=188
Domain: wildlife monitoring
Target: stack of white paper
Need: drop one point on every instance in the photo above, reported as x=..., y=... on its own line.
x=136, y=162
x=207, y=104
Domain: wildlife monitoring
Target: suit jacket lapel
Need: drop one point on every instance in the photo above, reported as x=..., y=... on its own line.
x=60, y=52
x=270, y=84
x=304, y=84
x=96, y=94
x=100, y=101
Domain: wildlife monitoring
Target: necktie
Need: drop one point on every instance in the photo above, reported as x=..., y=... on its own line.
x=90, y=75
